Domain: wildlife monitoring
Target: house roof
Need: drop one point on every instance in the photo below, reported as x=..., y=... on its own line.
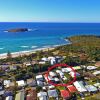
x=59, y=72
x=29, y=80
x=44, y=59
x=2, y=92
x=73, y=74
x=20, y=83
x=9, y=98
x=20, y=96
x=43, y=98
x=8, y=93
x=32, y=95
x=51, y=86
x=79, y=86
x=96, y=72
x=56, y=79
x=51, y=58
x=41, y=94
x=52, y=93
x=66, y=69
x=52, y=73
x=97, y=84
x=76, y=67
x=65, y=94
x=40, y=83
x=71, y=88
x=91, y=88
x=6, y=82
x=97, y=64
x=39, y=77
x=91, y=67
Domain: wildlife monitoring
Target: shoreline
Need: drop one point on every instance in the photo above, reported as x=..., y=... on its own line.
x=28, y=52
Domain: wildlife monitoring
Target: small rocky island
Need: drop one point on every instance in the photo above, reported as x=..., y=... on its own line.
x=18, y=30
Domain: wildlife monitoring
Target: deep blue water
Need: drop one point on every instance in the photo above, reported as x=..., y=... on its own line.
x=47, y=34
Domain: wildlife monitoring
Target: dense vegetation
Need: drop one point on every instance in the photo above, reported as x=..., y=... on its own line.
x=84, y=48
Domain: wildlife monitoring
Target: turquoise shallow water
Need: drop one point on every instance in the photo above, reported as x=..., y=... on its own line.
x=45, y=35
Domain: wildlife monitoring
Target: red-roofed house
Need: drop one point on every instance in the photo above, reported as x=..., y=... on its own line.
x=71, y=88
x=31, y=95
x=65, y=94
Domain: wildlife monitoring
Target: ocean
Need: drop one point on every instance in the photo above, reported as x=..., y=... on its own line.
x=43, y=35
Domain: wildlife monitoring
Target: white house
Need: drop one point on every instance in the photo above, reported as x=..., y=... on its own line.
x=91, y=88
x=42, y=95
x=6, y=82
x=42, y=62
x=52, y=60
x=91, y=67
x=56, y=79
x=40, y=83
x=49, y=58
x=77, y=68
x=44, y=59
x=52, y=74
x=60, y=72
x=66, y=69
x=97, y=84
x=64, y=78
x=79, y=86
x=39, y=77
x=96, y=73
x=21, y=83
x=51, y=87
x=9, y=98
x=74, y=74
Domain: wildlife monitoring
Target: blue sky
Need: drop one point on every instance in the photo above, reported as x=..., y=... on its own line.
x=50, y=10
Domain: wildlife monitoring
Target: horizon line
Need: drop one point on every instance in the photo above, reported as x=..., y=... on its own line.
x=42, y=22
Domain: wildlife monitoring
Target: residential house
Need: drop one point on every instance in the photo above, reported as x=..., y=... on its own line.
x=40, y=80
x=52, y=74
x=77, y=68
x=91, y=67
x=97, y=85
x=74, y=74
x=2, y=92
x=91, y=88
x=31, y=95
x=20, y=95
x=65, y=94
x=52, y=93
x=96, y=73
x=6, y=83
x=21, y=83
x=72, y=88
x=9, y=98
x=42, y=95
x=39, y=77
x=31, y=82
x=66, y=69
x=13, y=67
x=79, y=86
x=97, y=64
x=8, y=93
x=44, y=59
x=51, y=87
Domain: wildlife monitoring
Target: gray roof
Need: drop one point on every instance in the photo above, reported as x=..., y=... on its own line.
x=2, y=92
x=52, y=93
x=91, y=88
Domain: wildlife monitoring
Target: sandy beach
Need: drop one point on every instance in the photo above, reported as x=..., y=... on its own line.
x=21, y=53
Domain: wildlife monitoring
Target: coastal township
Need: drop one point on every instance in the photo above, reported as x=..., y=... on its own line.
x=25, y=77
